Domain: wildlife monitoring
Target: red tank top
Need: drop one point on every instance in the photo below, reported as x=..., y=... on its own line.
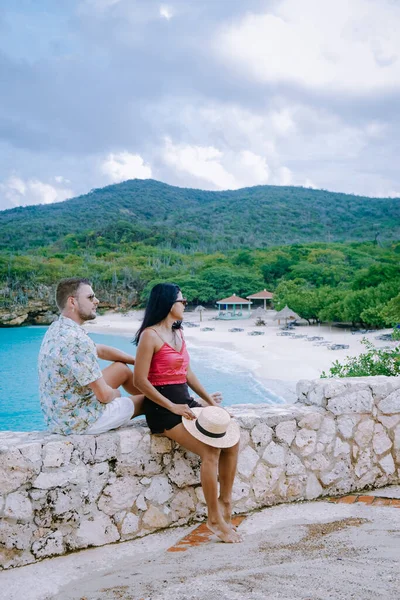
x=169, y=366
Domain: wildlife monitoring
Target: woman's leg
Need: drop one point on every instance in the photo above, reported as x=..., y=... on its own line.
x=227, y=471
x=209, y=480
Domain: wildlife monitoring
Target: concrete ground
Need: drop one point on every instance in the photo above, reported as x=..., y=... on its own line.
x=302, y=551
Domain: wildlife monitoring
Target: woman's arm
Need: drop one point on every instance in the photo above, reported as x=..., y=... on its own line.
x=146, y=348
x=114, y=355
x=196, y=386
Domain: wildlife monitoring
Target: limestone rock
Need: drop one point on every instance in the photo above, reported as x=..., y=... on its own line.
x=141, y=502
x=311, y=421
x=335, y=387
x=341, y=448
x=353, y=402
x=397, y=438
x=303, y=388
x=387, y=464
x=240, y=490
x=160, y=445
x=140, y=462
x=247, y=462
x=182, y=505
x=275, y=455
x=15, y=470
x=63, y=500
x=33, y=453
x=294, y=466
x=364, y=463
x=286, y=431
x=15, y=535
x=313, y=487
x=389, y=422
x=340, y=471
x=95, y=530
x=18, y=507
x=364, y=433
x=130, y=524
x=154, y=518
x=261, y=435
x=60, y=477
x=295, y=489
x=305, y=441
x=316, y=396
x=160, y=490
x=57, y=454
x=381, y=441
x=182, y=474
x=264, y=480
x=106, y=446
x=50, y=545
x=129, y=439
x=99, y=474
x=327, y=431
x=391, y=404
x=119, y=495
x=346, y=424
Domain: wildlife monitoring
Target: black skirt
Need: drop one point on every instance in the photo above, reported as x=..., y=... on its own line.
x=159, y=418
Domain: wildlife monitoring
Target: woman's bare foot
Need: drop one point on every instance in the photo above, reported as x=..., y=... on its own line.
x=224, y=532
x=226, y=510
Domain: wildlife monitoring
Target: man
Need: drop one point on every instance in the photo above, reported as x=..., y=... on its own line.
x=75, y=395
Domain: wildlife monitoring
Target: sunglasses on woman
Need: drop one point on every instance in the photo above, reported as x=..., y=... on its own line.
x=183, y=300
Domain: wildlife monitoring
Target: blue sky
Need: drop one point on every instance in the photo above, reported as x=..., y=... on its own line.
x=213, y=94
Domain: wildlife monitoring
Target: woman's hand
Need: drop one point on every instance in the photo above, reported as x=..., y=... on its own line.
x=182, y=410
x=217, y=398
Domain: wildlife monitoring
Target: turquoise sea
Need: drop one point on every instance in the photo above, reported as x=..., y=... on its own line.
x=218, y=370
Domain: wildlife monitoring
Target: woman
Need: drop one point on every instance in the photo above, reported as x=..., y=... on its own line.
x=163, y=374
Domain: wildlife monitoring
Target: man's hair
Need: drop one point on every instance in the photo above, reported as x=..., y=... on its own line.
x=69, y=287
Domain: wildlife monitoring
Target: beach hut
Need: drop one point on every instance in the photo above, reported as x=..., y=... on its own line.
x=231, y=308
x=287, y=314
x=263, y=295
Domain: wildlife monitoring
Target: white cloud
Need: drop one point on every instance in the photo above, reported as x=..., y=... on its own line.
x=203, y=162
x=223, y=170
x=349, y=46
x=166, y=12
x=124, y=165
x=20, y=192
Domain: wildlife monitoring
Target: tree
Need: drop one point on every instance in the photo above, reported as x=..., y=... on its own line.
x=374, y=361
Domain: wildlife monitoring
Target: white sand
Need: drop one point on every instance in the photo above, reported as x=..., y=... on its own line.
x=276, y=361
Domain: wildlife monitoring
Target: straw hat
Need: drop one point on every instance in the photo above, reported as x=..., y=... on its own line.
x=213, y=426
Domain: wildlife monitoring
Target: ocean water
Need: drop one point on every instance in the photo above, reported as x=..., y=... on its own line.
x=218, y=370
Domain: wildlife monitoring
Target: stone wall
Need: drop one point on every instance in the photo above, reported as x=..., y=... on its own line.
x=59, y=494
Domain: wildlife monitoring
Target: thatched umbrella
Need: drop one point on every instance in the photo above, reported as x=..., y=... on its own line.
x=286, y=313
x=260, y=312
x=200, y=310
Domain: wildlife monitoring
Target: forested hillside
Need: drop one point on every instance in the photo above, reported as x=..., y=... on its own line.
x=187, y=220
x=331, y=257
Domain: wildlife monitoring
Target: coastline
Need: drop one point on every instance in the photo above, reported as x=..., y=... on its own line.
x=274, y=360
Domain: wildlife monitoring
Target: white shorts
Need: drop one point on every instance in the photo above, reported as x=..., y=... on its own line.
x=117, y=413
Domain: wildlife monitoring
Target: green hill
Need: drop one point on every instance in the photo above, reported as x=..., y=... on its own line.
x=187, y=219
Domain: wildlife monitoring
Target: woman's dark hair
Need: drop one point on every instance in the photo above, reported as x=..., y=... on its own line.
x=162, y=297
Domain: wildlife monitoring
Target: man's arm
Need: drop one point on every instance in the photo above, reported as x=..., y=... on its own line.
x=103, y=392
x=114, y=355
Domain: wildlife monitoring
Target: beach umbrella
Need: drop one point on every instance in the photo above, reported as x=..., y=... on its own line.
x=200, y=310
x=260, y=312
x=286, y=313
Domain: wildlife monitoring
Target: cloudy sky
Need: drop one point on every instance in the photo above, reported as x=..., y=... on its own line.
x=214, y=94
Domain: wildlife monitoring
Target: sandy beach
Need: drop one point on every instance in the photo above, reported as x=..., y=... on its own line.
x=277, y=361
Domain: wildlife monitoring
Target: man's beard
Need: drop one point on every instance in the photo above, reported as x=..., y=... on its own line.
x=86, y=316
